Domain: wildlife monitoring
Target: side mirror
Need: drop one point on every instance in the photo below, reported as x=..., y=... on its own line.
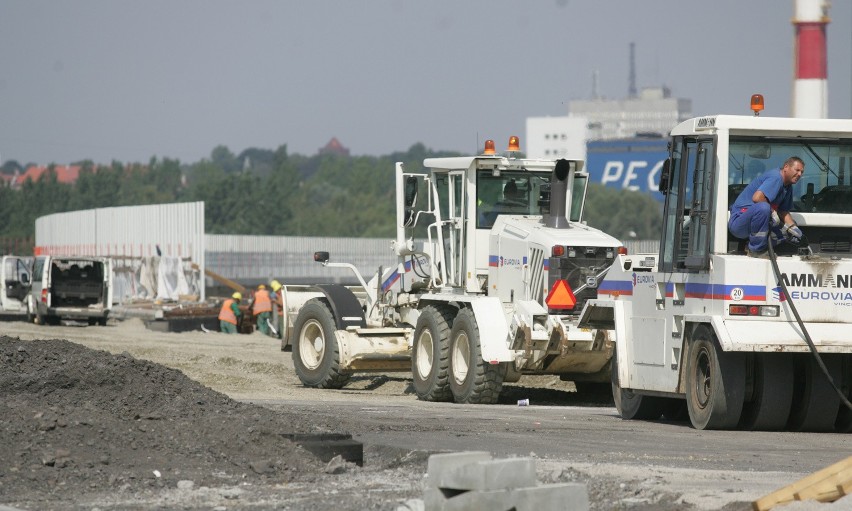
x=25, y=279
x=321, y=257
x=410, y=199
x=665, y=176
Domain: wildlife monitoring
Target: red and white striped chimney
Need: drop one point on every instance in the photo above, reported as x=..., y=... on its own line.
x=810, y=84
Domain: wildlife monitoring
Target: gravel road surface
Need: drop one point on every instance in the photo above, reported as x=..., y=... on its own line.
x=122, y=417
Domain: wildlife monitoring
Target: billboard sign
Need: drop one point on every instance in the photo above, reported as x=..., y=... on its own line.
x=628, y=164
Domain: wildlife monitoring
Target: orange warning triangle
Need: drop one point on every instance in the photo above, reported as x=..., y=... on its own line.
x=561, y=296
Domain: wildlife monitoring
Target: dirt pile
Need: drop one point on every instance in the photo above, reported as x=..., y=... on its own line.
x=76, y=419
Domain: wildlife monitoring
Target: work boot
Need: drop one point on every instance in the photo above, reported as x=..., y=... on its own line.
x=763, y=254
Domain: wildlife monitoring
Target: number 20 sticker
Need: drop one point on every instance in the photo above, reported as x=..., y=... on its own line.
x=737, y=294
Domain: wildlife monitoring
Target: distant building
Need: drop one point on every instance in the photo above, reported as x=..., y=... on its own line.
x=623, y=142
x=8, y=179
x=556, y=137
x=66, y=174
x=652, y=111
x=334, y=147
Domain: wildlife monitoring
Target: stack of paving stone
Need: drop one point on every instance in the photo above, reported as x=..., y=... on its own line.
x=472, y=480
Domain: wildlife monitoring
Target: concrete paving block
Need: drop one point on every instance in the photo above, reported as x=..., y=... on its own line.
x=489, y=475
x=441, y=463
x=551, y=497
x=436, y=499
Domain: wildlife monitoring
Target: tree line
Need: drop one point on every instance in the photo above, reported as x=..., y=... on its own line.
x=271, y=192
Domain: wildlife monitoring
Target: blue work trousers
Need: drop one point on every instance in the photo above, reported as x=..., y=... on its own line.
x=752, y=223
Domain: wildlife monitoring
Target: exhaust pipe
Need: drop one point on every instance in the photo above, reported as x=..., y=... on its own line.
x=557, y=218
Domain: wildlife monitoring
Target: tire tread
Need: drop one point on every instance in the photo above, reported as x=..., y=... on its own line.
x=440, y=391
x=487, y=378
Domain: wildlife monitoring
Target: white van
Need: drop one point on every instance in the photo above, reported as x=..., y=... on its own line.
x=70, y=287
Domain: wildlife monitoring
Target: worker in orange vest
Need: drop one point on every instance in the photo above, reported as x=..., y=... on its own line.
x=262, y=308
x=229, y=313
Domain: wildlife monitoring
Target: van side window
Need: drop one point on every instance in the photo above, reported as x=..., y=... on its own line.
x=38, y=270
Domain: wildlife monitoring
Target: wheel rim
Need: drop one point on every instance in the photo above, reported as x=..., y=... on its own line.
x=461, y=358
x=312, y=344
x=703, y=380
x=425, y=345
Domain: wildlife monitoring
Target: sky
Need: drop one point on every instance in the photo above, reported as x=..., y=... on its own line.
x=116, y=80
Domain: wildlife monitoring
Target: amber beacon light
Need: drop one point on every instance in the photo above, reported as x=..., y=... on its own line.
x=756, y=103
x=489, y=147
x=514, y=144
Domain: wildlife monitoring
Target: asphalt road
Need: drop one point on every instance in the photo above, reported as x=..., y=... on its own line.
x=571, y=431
x=712, y=467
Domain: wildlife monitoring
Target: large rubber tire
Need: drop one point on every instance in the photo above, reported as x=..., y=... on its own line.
x=843, y=424
x=772, y=393
x=715, y=383
x=633, y=406
x=31, y=316
x=316, y=355
x=472, y=380
x=430, y=360
x=815, y=402
x=47, y=319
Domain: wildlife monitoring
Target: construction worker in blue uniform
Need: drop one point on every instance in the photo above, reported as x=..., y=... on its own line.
x=764, y=206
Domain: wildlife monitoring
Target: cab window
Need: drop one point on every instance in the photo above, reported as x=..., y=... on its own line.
x=509, y=193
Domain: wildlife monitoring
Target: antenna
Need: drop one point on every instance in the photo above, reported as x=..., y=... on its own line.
x=631, y=89
x=595, y=92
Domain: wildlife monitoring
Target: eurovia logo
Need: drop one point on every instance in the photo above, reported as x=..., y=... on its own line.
x=511, y=261
x=642, y=279
x=778, y=295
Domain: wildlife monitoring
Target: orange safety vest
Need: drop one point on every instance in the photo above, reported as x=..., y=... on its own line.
x=227, y=314
x=262, y=302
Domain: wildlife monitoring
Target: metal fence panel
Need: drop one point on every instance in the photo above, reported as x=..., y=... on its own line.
x=128, y=232
x=257, y=259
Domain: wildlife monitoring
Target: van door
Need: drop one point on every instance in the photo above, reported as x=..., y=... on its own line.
x=4, y=292
x=40, y=281
x=16, y=282
x=4, y=270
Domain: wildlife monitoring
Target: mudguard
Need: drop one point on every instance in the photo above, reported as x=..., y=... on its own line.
x=345, y=306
